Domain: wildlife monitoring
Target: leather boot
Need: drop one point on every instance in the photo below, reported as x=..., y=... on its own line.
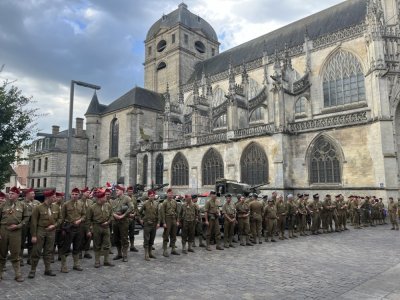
x=146, y=254
x=64, y=268
x=231, y=243
x=77, y=264
x=165, y=248
x=107, y=262
x=17, y=270
x=125, y=254
x=47, y=268
x=133, y=248
x=119, y=254
x=173, y=251
x=219, y=247
x=208, y=248
x=33, y=269
x=151, y=255
x=256, y=240
x=248, y=241
x=242, y=240
x=184, y=247
x=97, y=259
x=190, y=247
x=201, y=244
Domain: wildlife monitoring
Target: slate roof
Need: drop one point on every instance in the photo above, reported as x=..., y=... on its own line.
x=330, y=20
x=182, y=16
x=138, y=97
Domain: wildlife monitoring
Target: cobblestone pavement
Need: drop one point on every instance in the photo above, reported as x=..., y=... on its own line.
x=356, y=264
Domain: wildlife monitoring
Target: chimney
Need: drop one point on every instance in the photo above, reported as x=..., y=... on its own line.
x=79, y=127
x=55, y=129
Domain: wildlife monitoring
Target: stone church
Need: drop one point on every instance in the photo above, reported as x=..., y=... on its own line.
x=310, y=107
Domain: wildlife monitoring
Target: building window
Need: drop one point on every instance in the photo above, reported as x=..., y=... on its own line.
x=161, y=45
x=114, y=137
x=46, y=163
x=161, y=65
x=257, y=115
x=33, y=166
x=186, y=39
x=300, y=106
x=40, y=165
x=38, y=183
x=324, y=162
x=254, y=165
x=343, y=80
x=180, y=170
x=220, y=122
x=44, y=182
x=32, y=183
x=199, y=46
x=173, y=38
x=212, y=167
x=159, y=169
x=212, y=52
x=145, y=166
x=149, y=50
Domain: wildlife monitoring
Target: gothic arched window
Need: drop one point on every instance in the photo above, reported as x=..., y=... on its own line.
x=145, y=166
x=159, y=169
x=212, y=167
x=220, y=122
x=180, y=170
x=254, y=165
x=114, y=137
x=324, y=162
x=343, y=80
x=300, y=106
x=257, y=115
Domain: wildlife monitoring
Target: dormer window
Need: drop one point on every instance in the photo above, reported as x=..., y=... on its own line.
x=161, y=45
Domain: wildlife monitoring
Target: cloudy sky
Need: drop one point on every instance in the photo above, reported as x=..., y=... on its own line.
x=46, y=43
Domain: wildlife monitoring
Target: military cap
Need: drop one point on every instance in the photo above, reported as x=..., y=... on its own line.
x=328, y=195
x=316, y=196
x=100, y=194
x=2, y=195
x=265, y=197
x=75, y=190
x=228, y=196
x=337, y=196
x=49, y=193
x=86, y=189
x=254, y=195
x=271, y=200
x=300, y=195
x=213, y=192
x=107, y=191
x=15, y=190
x=30, y=190
x=121, y=188
x=306, y=195
x=129, y=188
x=169, y=190
x=194, y=196
x=238, y=196
x=151, y=193
x=59, y=194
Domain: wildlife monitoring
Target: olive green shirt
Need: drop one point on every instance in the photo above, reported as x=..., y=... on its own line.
x=256, y=209
x=242, y=209
x=229, y=209
x=281, y=208
x=149, y=212
x=169, y=209
x=13, y=213
x=122, y=205
x=44, y=215
x=270, y=212
x=188, y=213
x=99, y=214
x=29, y=205
x=73, y=211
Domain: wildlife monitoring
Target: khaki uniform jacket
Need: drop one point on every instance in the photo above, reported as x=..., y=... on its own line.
x=270, y=212
x=43, y=216
x=13, y=213
x=99, y=214
x=169, y=208
x=119, y=203
x=72, y=211
x=149, y=212
x=189, y=212
x=256, y=210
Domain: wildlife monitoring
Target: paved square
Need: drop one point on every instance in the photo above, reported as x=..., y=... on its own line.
x=356, y=264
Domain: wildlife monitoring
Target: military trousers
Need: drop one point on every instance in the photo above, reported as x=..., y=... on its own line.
x=149, y=234
x=244, y=226
x=393, y=218
x=356, y=219
x=44, y=244
x=120, y=230
x=26, y=239
x=131, y=229
x=316, y=222
x=281, y=224
x=170, y=231
x=10, y=240
x=213, y=229
x=199, y=229
x=85, y=246
x=256, y=226
x=72, y=236
x=188, y=231
x=302, y=222
x=229, y=229
x=101, y=237
x=271, y=225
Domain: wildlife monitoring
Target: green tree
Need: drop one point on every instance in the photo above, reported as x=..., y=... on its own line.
x=17, y=125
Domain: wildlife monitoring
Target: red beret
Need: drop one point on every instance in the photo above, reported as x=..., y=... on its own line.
x=48, y=193
x=14, y=189
x=59, y=194
x=86, y=189
x=75, y=190
x=188, y=196
x=121, y=188
x=100, y=194
x=29, y=191
x=108, y=191
x=129, y=188
x=2, y=195
x=151, y=193
x=169, y=190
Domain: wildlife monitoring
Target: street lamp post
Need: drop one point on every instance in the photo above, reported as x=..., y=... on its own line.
x=71, y=108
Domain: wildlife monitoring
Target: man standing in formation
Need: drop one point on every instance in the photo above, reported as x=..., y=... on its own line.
x=243, y=212
x=229, y=212
x=188, y=216
x=132, y=219
x=46, y=217
x=86, y=237
x=271, y=216
x=256, y=213
x=211, y=215
x=199, y=224
x=149, y=220
x=169, y=219
x=393, y=214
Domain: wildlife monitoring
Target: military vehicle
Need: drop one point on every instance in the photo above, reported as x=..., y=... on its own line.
x=228, y=186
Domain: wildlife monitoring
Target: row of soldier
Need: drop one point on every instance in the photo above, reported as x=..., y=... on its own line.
x=75, y=222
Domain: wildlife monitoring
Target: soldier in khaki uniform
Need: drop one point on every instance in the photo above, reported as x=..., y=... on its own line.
x=302, y=216
x=199, y=223
x=256, y=213
x=44, y=222
x=122, y=207
x=314, y=208
x=58, y=203
x=30, y=203
x=281, y=211
x=291, y=215
x=211, y=215
x=229, y=212
x=392, y=209
x=169, y=212
x=12, y=218
x=86, y=238
x=271, y=217
x=99, y=217
x=132, y=219
x=149, y=214
x=2, y=198
x=188, y=215
x=243, y=212
x=72, y=215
